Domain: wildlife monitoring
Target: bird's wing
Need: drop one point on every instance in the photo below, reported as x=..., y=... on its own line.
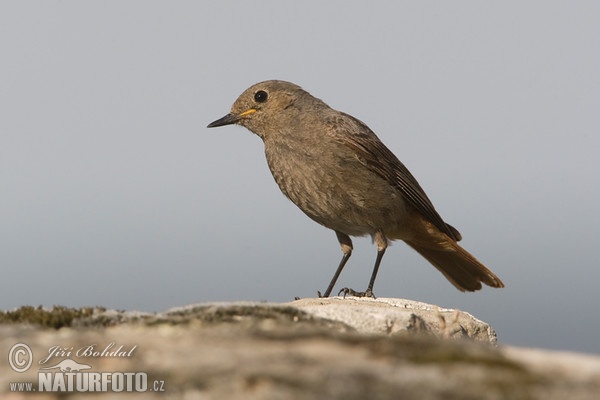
x=378, y=158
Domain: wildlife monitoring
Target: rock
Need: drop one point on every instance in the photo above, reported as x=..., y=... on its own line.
x=307, y=349
x=384, y=316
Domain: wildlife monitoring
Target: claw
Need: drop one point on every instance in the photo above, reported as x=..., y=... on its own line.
x=352, y=292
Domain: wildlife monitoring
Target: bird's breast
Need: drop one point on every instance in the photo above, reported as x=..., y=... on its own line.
x=331, y=185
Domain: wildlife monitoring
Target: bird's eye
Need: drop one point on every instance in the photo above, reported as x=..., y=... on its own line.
x=260, y=96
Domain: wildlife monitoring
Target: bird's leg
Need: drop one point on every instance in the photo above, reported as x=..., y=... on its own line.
x=346, y=244
x=382, y=245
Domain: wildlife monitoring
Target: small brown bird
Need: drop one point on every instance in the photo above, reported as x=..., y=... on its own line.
x=338, y=172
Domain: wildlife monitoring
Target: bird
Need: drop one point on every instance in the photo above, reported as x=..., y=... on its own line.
x=334, y=168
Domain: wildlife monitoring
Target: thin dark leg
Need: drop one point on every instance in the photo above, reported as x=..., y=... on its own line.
x=380, y=253
x=346, y=244
x=336, y=275
x=382, y=244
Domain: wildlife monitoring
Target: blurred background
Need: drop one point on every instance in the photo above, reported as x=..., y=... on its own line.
x=114, y=193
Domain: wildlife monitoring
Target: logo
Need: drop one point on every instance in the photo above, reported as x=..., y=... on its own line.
x=75, y=373
x=20, y=357
x=68, y=365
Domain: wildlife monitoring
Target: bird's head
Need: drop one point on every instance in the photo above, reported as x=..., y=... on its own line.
x=267, y=107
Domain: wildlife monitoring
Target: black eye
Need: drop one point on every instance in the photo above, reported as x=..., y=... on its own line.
x=260, y=96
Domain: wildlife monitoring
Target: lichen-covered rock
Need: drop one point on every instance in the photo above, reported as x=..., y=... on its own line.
x=307, y=349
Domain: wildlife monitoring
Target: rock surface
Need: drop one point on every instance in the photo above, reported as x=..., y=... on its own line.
x=391, y=316
x=308, y=349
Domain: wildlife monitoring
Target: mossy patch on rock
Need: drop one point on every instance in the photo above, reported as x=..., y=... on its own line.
x=57, y=317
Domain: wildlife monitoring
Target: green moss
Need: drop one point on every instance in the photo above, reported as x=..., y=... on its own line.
x=56, y=317
x=233, y=314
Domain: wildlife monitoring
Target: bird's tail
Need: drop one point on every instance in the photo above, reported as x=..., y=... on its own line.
x=458, y=265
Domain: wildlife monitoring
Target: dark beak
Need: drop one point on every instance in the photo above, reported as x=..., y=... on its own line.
x=229, y=119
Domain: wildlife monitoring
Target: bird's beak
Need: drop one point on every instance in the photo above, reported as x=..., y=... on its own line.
x=231, y=118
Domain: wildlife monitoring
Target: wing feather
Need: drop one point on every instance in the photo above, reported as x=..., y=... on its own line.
x=378, y=158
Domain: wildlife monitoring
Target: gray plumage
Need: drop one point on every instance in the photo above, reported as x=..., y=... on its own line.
x=338, y=172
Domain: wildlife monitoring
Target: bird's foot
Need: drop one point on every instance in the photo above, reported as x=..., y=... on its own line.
x=352, y=292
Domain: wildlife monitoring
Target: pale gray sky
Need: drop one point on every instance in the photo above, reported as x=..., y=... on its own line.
x=114, y=193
